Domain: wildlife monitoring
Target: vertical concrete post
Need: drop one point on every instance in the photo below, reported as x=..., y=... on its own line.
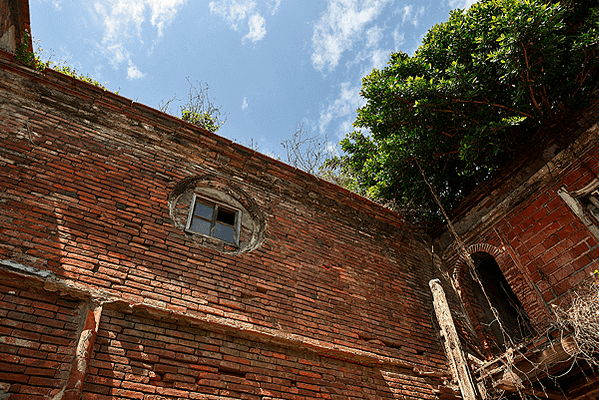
x=85, y=345
x=453, y=348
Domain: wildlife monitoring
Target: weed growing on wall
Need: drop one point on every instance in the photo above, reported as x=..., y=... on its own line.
x=30, y=58
x=34, y=60
x=199, y=109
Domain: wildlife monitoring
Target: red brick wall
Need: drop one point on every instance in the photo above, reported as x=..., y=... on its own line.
x=541, y=246
x=5, y=15
x=557, y=249
x=138, y=356
x=83, y=195
x=38, y=333
x=14, y=14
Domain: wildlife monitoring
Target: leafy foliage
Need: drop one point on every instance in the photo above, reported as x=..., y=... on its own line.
x=28, y=57
x=479, y=87
x=72, y=72
x=199, y=109
x=34, y=60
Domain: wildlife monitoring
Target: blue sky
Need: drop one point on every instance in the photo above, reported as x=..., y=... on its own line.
x=269, y=64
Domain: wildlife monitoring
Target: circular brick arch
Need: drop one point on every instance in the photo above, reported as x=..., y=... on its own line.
x=462, y=265
x=224, y=191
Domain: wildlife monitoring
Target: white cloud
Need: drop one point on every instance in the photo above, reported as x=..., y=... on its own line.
x=57, y=4
x=232, y=11
x=349, y=25
x=274, y=6
x=379, y=58
x=339, y=26
x=373, y=36
x=163, y=12
x=118, y=54
x=398, y=38
x=133, y=72
x=406, y=11
x=410, y=14
x=244, y=104
x=366, y=58
x=342, y=110
x=257, y=25
x=236, y=12
x=461, y=3
x=118, y=18
x=123, y=19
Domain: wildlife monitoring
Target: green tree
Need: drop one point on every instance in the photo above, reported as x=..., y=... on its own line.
x=481, y=85
x=199, y=109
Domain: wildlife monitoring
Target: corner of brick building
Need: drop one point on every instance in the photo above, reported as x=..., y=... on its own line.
x=106, y=295
x=536, y=223
x=14, y=21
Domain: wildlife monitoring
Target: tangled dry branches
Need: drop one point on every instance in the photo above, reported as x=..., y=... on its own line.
x=581, y=318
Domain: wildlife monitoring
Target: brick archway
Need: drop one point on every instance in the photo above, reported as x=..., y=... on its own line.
x=462, y=265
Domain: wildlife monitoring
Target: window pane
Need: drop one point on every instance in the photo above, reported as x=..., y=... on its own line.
x=200, y=226
x=226, y=217
x=224, y=232
x=203, y=211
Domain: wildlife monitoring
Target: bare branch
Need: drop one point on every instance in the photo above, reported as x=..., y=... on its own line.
x=306, y=152
x=163, y=106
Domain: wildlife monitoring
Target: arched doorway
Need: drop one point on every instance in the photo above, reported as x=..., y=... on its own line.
x=514, y=319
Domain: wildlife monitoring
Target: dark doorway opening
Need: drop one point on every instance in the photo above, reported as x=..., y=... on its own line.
x=513, y=318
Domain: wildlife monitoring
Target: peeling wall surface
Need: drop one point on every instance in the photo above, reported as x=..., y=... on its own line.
x=542, y=246
x=105, y=295
x=540, y=227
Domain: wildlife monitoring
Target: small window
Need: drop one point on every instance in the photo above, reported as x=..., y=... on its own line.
x=591, y=202
x=585, y=204
x=211, y=219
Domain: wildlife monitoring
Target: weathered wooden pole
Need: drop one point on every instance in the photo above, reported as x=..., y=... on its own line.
x=453, y=348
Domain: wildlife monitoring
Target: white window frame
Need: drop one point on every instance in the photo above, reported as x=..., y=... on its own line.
x=215, y=207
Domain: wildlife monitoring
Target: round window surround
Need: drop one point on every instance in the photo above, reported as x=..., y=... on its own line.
x=219, y=191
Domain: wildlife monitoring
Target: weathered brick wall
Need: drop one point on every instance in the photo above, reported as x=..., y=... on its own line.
x=543, y=249
x=14, y=19
x=140, y=356
x=5, y=14
x=38, y=334
x=84, y=197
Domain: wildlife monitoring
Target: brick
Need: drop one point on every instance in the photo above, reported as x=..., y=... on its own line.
x=139, y=387
x=168, y=377
x=19, y=342
x=39, y=363
x=172, y=392
x=12, y=377
x=36, y=390
x=39, y=371
x=95, y=396
x=89, y=202
x=141, y=356
x=126, y=394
